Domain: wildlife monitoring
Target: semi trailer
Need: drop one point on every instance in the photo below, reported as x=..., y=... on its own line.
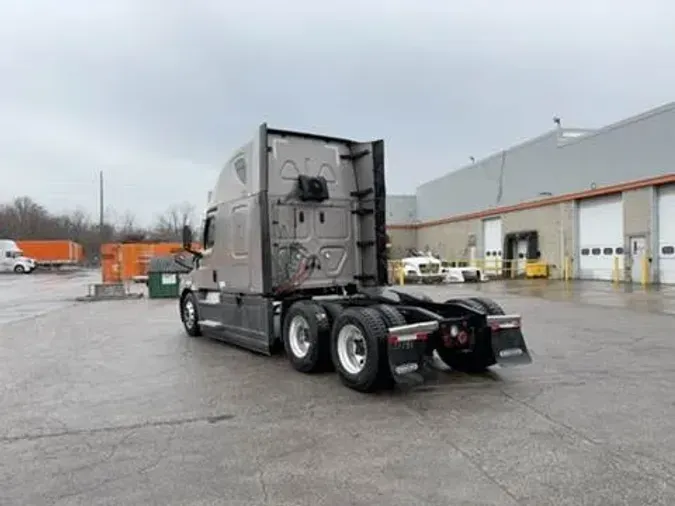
x=53, y=253
x=294, y=256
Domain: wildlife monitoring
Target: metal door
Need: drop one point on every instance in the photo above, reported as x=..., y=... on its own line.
x=521, y=256
x=638, y=250
x=5, y=261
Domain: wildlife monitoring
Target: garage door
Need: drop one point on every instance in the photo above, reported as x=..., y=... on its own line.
x=492, y=245
x=666, y=220
x=600, y=236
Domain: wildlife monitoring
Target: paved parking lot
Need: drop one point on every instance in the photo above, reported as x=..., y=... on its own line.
x=108, y=403
x=29, y=295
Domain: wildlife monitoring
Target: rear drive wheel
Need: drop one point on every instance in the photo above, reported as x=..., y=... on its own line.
x=19, y=269
x=393, y=318
x=333, y=310
x=390, y=314
x=356, y=348
x=306, y=335
x=489, y=305
x=189, y=314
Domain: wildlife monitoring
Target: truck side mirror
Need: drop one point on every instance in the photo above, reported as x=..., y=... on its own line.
x=187, y=237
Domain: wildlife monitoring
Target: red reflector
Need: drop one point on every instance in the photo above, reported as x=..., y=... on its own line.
x=462, y=337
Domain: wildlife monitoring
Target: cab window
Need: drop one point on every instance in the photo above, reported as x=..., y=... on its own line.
x=209, y=237
x=240, y=170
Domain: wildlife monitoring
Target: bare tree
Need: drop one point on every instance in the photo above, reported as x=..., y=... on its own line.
x=170, y=225
x=23, y=218
x=126, y=224
x=24, y=214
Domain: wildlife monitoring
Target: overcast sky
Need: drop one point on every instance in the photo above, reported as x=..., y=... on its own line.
x=157, y=93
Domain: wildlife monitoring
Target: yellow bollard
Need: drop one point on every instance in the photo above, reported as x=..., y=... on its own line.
x=401, y=274
x=615, y=270
x=645, y=270
x=567, y=268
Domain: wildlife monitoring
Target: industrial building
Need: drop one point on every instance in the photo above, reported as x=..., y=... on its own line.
x=593, y=204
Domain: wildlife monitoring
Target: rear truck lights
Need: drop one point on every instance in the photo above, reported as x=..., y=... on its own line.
x=463, y=338
x=454, y=333
x=405, y=338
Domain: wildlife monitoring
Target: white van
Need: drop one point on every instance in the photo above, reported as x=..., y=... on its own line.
x=12, y=259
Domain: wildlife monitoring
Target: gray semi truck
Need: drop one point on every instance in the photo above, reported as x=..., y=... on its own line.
x=294, y=255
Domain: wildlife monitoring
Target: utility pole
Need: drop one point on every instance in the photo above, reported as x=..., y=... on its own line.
x=100, y=202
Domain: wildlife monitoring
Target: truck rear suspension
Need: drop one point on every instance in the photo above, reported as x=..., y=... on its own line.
x=372, y=344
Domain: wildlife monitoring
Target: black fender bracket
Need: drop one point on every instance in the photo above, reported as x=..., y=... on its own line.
x=406, y=349
x=508, y=343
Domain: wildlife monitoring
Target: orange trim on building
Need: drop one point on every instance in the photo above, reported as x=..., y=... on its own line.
x=533, y=204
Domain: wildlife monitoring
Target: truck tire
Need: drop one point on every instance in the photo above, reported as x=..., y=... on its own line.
x=189, y=314
x=333, y=310
x=306, y=336
x=357, y=343
x=488, y=305
x=393, y=318
x=19, y=269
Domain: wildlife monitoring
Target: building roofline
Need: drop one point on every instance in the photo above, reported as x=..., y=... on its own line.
x=555, y=132
x=533, y=204
x=620, y=124
x=588, y=133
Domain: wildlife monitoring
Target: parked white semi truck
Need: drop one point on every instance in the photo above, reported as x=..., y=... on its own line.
x=294, y=255
x=423, y=267
x=12, y=258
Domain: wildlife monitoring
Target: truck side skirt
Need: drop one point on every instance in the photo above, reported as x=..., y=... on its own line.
x=240, y=319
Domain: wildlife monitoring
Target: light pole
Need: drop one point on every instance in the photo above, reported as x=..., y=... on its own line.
x=100, y=209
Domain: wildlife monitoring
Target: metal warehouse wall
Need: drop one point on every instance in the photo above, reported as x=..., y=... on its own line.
x=402, y=240
x=477, y=187
x=401, y=209
x=636, y=148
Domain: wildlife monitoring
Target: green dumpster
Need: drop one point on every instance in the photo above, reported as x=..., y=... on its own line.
x=164, y=277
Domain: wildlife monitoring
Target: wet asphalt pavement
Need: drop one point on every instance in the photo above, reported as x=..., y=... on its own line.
x=28, y=295
x=109, y=403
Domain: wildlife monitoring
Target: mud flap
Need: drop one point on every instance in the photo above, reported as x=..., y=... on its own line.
x=406, y=348
x=508, y=343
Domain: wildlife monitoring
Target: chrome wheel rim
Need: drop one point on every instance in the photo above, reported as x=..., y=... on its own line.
x=352, y=349
x=298, y=336
x=189, y=316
